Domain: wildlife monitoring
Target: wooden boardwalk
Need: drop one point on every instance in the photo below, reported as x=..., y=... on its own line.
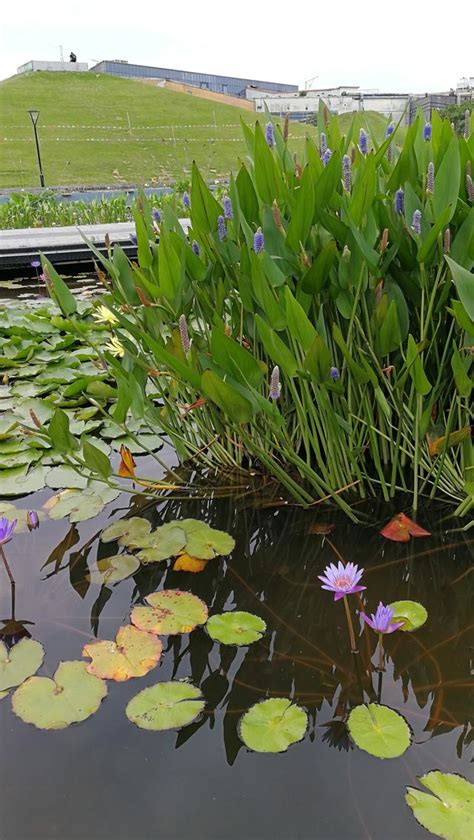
x=64, y=245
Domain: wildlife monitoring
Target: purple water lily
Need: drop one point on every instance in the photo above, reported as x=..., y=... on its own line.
x=6, y=529
x=342, y=580
x=381, y=622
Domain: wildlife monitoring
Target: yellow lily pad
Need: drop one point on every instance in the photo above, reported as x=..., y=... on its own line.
x=170, y=612
x=133, y=654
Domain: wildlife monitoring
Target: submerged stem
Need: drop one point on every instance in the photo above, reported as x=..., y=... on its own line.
x=350, y=626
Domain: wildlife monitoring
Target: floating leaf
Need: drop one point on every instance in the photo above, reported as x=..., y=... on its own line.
x=236, y=628
x=128, y=532
x=450, y=812
x=60, y=478
x=71, y=696
x=113, y=569
x=185, y=563
x=4, y=694
x=77, y=505
x=164, y=542
x=411, y=613
x=379, y=730
x=204, y=542
x=171, y=611
x=133, y=654
x=273, y=725
x=167, y=705
x=18, y=481
x=20, y=662
x=401, y=528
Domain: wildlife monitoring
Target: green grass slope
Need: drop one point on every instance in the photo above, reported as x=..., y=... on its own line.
x=102, y=130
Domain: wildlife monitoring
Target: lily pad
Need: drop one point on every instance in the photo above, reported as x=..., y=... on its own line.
x=17, y=481
x=236, y=628
x=60, y=478
x=204, y=542
x=77, y=505
x=450, y=812
x=113, y=569
x=4, y=694
x=133, y=654
x=11, y=512
x=71, y=696
x=164, y=542
x=273, y=725
x=128, y=532
x=379, y=730
x=167, y=705
x=411, y=613
x=20, y=662
x=169, y=612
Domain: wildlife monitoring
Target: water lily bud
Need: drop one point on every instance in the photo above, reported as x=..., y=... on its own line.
x=32, y=520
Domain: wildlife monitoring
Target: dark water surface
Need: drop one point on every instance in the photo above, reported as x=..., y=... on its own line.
x=105, y=779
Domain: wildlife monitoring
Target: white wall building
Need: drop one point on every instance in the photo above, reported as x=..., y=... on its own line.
x=340, y=100
x=54, y=66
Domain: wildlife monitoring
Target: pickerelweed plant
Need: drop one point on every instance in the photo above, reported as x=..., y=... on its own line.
x=319, y=267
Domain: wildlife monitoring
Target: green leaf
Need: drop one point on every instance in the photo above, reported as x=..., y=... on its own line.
x=71, y=696
x=412, y=613
x=95, y=459
x=204, y=542
x=128, y=532
x=302, y=214
x=166, y=541
x=234, y=359
x=236, y=628
x=299, y=325
x=18, y=482
x=450, y=812
x=20, y=662
x=170, y=612
x=462, y=379
x=80, y=505
x=276, y=349
x=379, y=730
x=318, y=360
x=167, y=705
x=418, y=375
x=464, y=282
x=447, y=181
x=273, y=725
x=133, y=654
x=113, y=569
x=317, y=275
x=59, y=433
x=230, y=401
x=389, y=337
x=204, y=207
x=267, y=177
x=60, y=478
x=60, y=292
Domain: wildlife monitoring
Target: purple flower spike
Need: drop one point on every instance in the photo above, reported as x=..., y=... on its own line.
x=416, y=222
x=327, y=156
x=270, y=135
x=364, y=142
x=183, y=333
x=427, y=131
x=381, y=622
x=6, y=529
x=346, y=173
x=186, y=200
x=228, y=211
x=221, y=228
x=156, y=215
x=389, y=130
x=195, y=247
x=399, y=202
x=323, y=144
x=35, y=263
x=342, y=580
x=275, y=386
x=334, y=373
x=258, y=241
x=32, y=520
x=430, y=178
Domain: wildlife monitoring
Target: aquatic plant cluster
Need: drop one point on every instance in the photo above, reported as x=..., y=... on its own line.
x=24, y=210
x=349, y=262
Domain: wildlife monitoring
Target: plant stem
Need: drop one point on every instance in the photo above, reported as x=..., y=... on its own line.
x=380, y=666
x=350, y=626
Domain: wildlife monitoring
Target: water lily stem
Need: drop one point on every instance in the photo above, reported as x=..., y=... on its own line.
x=380, y=666
x=12, y=579
x=350, y=626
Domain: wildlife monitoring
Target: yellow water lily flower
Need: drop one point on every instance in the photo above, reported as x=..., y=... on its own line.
x=103, y=315
x=114, y=347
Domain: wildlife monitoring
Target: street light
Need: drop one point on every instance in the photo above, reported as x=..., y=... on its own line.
x=34, y=119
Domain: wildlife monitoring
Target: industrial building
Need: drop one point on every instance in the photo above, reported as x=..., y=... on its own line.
x=230, y=85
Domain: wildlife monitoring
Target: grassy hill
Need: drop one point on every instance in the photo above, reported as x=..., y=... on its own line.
x=98, y=129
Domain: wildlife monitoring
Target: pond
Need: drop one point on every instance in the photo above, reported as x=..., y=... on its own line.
x=106, y=778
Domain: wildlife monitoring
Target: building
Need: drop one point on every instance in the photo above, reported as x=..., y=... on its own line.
x=304, y=104
x=53, y=67
x=230, y=85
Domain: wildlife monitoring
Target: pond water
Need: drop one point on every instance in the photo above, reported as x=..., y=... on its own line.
x=105, y=779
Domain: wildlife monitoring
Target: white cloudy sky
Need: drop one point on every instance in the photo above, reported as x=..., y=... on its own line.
x=408, y=45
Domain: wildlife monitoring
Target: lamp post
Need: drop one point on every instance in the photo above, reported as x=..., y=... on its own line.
x=34, y=119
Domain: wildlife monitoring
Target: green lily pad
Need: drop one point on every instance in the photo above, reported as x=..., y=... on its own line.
x=169, y=612
x=273, y=725
x=20, y=662
x=204, y=542
x=8, y=423
x=164, y=542
x=42, y=410
x=128, y=532
x=411, y=613
x=60, y=478
x=17, y=481
x=450, y=812
x=77, y=505
x=167, y=705
x=71, y=696
x=236, y=628
x=133, y=654
x=379, y=730
x=113, y=569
